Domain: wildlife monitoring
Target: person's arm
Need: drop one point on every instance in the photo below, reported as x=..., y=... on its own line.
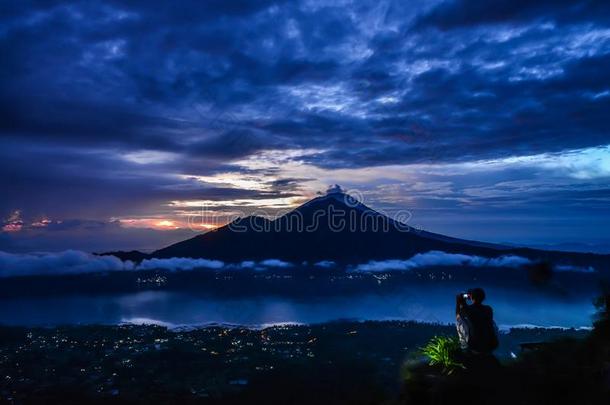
x=460, y=303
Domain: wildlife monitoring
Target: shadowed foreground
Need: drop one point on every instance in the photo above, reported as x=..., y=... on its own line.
x=565, y=371
x=342, y=362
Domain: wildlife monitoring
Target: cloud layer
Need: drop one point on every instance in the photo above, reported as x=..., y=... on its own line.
x=67, y=262
x=179, y=263
x=77, y=262
x=436, y=258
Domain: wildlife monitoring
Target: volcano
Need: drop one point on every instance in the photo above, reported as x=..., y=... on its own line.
x=337, y=227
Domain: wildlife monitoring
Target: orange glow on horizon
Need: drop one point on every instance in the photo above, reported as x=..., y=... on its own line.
x=164, y=224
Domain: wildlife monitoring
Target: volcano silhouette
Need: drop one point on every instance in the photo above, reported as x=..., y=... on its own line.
x=331, y=227
x=337, y=227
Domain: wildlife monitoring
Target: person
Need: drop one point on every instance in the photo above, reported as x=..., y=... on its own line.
x=476, y=328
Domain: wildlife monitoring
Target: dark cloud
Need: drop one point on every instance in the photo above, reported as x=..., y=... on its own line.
x=234, y=143
x=463, y=13
x=114, y=108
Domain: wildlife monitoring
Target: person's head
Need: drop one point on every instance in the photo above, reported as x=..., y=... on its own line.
x=477, y=295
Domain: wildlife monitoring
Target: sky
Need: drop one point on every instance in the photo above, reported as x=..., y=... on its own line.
x=135, y=124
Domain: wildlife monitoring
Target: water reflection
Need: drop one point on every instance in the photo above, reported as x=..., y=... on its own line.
x=176, y=309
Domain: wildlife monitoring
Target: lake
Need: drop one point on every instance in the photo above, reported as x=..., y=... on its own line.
x=511, y=308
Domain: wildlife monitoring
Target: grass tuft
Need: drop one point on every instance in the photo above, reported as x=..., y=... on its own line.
x=443, y=351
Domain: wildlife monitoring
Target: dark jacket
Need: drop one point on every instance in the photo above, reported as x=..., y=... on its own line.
x=482, y=334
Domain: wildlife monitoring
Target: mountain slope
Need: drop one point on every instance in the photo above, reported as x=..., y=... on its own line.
x=331, y=227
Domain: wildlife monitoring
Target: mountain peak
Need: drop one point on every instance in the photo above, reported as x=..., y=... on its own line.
x=334, y=189
x=335, y=194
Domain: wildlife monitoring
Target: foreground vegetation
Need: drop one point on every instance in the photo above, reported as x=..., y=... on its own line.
x=562, y=371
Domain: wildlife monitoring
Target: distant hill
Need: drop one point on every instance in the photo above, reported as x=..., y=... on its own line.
x=337, y=227
x=132, y=255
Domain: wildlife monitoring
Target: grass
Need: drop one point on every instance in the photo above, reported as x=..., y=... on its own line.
x=443, y=351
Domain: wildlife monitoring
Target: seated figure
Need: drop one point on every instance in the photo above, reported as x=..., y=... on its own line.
x=476, y=328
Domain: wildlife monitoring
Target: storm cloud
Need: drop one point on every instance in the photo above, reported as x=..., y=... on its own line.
x=129, y=110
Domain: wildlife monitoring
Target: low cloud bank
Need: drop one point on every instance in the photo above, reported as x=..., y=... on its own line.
x=179, y=263
x=437, y=258
x=275, y=263
x=77, y=262
x=577, y=269
x=67, y=262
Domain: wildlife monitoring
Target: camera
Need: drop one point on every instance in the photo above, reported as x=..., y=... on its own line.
x=465, y=296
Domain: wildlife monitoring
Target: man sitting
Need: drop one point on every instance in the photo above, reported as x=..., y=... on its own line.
x=475, y=325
